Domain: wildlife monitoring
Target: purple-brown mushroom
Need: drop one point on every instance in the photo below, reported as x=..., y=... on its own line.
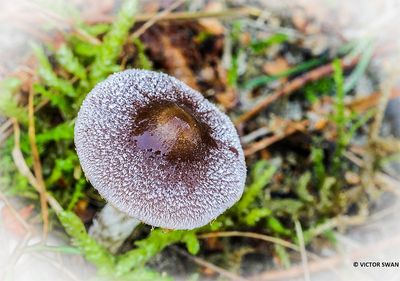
x=158, y=151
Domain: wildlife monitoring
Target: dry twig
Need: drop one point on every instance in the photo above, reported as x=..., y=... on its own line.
x=264, y=143
x=294, y=85
x=211, y=266
x=370, y=101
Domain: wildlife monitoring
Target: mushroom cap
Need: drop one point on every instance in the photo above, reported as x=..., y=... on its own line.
x=158, y=151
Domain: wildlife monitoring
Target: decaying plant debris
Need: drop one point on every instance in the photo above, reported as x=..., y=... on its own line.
x=312, y=144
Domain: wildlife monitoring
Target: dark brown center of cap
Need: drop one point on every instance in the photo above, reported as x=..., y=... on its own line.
x=170, y=131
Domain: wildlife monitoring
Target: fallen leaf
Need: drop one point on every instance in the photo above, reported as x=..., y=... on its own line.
x=11, y=221
x=212, y=25
x=276, y=67
x=320, y=123
x=245, y=38
x=208, y=272
x=83, y=211
x=227, y=99
x=352, y=178
x=299, y=19
x=213, y=244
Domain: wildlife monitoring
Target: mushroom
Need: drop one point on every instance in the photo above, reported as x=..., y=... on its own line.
x=158, y=151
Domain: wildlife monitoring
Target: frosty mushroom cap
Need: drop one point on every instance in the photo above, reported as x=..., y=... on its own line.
x=158, y=151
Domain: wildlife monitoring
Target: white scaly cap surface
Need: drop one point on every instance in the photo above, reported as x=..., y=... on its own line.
x=179, y=195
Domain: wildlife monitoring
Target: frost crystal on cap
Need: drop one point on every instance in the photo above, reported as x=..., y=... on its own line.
x=157, y=150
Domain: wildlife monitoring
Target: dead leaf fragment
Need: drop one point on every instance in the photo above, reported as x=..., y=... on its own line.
x=11, y=222
x=352, y=178
x=212, y=26
x=276, y=67
x=227, y=99
x=299, y=19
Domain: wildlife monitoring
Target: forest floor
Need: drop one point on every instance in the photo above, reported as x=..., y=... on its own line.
x=315, y=103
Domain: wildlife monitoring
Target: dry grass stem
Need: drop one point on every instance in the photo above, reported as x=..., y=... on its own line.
x=24, y=170
x=228, y=13
x=156, y=18
x=304, y=261
x=37, y=166
x=253, y=235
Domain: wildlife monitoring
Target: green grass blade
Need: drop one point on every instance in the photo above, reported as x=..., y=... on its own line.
x=265, y=79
